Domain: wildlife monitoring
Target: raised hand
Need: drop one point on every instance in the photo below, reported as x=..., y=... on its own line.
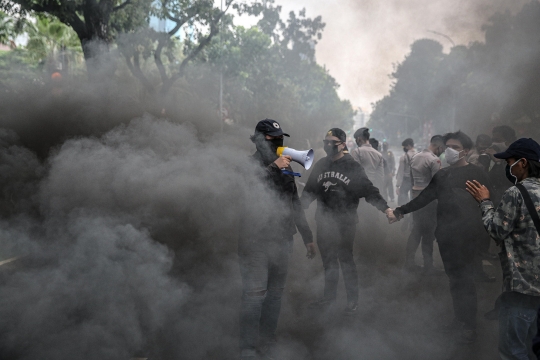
x=478, y=191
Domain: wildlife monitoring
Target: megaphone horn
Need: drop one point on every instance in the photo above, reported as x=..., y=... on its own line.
x=303, y=157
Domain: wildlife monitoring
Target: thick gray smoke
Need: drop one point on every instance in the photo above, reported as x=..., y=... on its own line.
x=362, y=39
x=93, y=282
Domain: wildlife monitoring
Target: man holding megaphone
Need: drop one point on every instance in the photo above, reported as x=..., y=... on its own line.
x=265, y=243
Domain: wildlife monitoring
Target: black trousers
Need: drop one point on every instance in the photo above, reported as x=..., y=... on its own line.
x=458, y=255
x=335, y=240
x=423, y=232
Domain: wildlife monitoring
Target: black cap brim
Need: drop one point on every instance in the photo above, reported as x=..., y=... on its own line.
x=503, y=155
x=277, y=133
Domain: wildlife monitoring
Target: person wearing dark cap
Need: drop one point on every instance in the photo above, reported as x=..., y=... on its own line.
x=337, y=182
x=266, y=241
x=458, y=225
x=515, y=226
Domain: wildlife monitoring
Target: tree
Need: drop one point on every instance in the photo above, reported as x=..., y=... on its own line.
x=473, y=87
x=199, y=19
x=96, y=22
x=52, y=43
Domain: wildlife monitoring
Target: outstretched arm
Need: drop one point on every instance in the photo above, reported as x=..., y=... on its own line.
x=423, y=199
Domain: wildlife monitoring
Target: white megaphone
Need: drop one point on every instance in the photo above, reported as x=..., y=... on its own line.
x=303, y=157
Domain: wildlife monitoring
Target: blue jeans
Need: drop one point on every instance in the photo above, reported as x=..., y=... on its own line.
x=264, y=271
x=517, y=328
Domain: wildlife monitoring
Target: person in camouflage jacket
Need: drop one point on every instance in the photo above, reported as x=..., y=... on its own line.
x=512, y=227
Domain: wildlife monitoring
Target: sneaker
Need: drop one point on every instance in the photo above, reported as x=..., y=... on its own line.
x=483, y=277
x=321, y=304
x=453, y=326
x=467, y=336
x=351, y=309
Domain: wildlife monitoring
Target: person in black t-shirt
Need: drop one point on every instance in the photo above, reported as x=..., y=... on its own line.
x=459, y=222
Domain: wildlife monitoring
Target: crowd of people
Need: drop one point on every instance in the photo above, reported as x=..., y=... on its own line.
x=462, y=194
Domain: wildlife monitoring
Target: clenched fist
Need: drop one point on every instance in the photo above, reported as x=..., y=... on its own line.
x=283, y=161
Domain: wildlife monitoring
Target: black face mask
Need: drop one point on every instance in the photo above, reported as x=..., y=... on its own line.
x=331, y=150
x=276, y=143
x=268, y=148
x=405, y=150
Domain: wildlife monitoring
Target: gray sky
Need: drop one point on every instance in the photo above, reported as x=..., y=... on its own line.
x=363, y=38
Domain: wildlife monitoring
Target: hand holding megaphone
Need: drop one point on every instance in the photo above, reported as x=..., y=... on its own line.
x=283, y=162
x=303, y=157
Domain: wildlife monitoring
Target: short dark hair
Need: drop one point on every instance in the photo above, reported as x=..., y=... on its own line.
x=459, y=135
x=437, y=140
x=483, y=139
x=534, y=168
x=508, y=133
x=374, y=143
x=408, y=142
x=362, y=133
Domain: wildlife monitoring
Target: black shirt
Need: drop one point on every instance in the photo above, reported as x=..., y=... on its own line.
x=281, y=217
x=338, y=186
x=457, y=211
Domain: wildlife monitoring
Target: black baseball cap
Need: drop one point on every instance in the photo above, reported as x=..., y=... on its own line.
x=269, y=127
x=340, y=134
x=522, y=148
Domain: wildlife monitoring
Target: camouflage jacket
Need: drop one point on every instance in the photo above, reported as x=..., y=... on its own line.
x=512, y=227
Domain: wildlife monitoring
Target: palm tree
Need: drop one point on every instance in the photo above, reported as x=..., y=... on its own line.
x=9, y=29
x=52, y=43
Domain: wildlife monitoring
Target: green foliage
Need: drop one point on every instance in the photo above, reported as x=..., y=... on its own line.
x=473, y=87
x=271, y=72
x=48, y=39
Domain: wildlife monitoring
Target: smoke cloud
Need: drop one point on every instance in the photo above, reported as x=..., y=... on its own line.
x=362, y=39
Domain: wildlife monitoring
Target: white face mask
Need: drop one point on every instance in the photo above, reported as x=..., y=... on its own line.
x=452, y=156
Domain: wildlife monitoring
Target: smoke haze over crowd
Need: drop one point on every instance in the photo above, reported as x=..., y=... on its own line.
x=362, y=39
x=123, y=208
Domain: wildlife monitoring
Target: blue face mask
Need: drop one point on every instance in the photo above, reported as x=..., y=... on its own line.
x=511, y=177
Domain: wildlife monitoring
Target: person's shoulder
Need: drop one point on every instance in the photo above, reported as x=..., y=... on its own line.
x=349, y=161
x=320, y=163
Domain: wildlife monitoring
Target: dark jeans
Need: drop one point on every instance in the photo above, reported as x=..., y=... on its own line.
x=404, y=190
x=517, y=328
x=458, y=254
x=264, y=272
x=423, y=231
x=335, y=241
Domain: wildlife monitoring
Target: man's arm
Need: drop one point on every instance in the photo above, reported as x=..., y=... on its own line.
x=309, y=193
x=435, y=166
x=364, y=188
x=400, y=171
x=500, y=222
x=302, y=225
x=424, y=198
x=300, y=218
